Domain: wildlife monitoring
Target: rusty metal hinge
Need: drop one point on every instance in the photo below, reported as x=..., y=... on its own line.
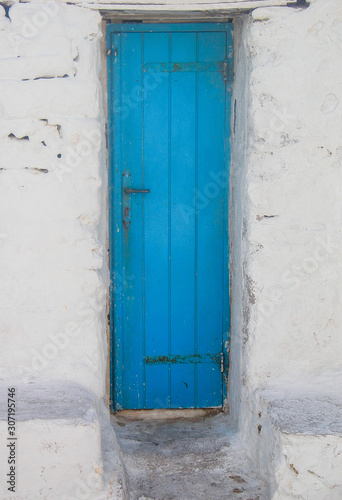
x=228, y=73
x=225, y=71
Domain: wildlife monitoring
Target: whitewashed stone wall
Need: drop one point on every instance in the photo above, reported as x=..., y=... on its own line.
x=287, y=214
x=52, y=185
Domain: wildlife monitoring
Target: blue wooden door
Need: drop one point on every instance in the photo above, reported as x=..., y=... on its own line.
x=169, y=110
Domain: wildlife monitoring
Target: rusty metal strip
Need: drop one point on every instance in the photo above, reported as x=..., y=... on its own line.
x=184, y=67
x=183, y=359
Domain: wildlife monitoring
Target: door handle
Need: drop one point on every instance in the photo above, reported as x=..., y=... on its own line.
x=132, y=191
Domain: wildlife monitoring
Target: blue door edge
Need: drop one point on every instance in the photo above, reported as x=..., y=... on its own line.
x=115, y=199
x=115, y=261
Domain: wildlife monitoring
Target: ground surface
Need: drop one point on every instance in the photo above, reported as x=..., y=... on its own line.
x=191, y=458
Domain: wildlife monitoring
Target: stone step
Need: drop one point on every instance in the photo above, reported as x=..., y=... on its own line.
x=185, y=458
x=57, y=450
x=300, y=445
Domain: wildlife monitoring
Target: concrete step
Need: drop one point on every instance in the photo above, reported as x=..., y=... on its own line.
x=56, y=446
x=300, y=445
x=191, y=457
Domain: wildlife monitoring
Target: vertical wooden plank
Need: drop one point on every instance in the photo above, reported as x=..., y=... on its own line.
x=209, y=380
x=183, y=179
x=183, y=164
x=157, y=386
x=183, y=47
x=211, y=155
x=132, y=234
x=182, y=385
x=211, y=46
x=156, y=168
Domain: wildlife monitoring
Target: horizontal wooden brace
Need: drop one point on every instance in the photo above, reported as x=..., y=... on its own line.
x=183, y=359
x=182, y=67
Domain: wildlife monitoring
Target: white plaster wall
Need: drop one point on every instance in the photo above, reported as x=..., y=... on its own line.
x=290, y=194
x=58, y=453
x=294, y=205
x=239, y=301
x=53, y=267
x=287, y=212
x=299, y=442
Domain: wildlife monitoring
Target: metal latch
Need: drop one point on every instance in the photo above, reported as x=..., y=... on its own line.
x=132, y=191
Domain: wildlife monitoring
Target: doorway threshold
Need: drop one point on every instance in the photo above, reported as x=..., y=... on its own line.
x=184, y=455
x=168, y=414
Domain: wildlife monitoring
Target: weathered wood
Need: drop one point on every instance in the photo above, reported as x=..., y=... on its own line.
x=157, y=16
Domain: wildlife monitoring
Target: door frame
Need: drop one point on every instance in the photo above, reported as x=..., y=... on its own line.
x=115, y=195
